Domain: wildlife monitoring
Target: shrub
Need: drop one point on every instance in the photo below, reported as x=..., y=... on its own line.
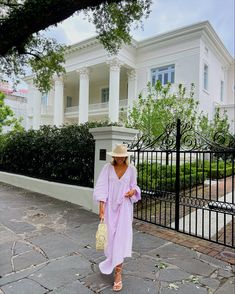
x=156, y=176
x=216, y=169
x=63, y=154
x=168, y=184
x=215, y=173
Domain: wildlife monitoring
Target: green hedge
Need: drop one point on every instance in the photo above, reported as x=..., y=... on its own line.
x=214, y=174
x=163, y=177
x=165, y=171
x=216, y=169
x=63, y=154
x=168, y=184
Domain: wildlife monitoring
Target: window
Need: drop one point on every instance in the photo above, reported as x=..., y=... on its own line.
x=104, y=95
x=69, y=101
x=44, y=99
x=221, y=90
x=205, y=75
x=165, y=74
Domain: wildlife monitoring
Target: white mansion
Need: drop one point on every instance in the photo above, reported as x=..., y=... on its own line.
x=98, y=86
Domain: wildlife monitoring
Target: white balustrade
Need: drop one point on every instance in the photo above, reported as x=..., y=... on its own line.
x=72, y=109
x=123, y=103
x=96, y=108
x=46, y=109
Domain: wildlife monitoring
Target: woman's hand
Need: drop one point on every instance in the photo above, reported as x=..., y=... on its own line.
x=102, y=208
x=130, y=193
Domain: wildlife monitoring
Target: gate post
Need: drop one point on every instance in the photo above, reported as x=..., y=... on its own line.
x=177, y=177
x=105, y=140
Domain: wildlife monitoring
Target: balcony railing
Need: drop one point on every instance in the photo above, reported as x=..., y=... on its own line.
x=95, y=108
x=73, y=109
x=123, y=103
x=98, y=107
x=46, y=109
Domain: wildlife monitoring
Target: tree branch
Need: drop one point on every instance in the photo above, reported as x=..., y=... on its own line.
x=23, y=22
x=10, y=4
x=37, y=56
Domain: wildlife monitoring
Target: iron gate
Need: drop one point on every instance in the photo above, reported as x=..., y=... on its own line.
x=187, y=183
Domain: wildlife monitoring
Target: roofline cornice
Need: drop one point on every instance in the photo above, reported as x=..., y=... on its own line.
x=89, y=43
x=214, y=38
x=81, y=45
x=187, y=30
x=203, y=28
x=200, y=27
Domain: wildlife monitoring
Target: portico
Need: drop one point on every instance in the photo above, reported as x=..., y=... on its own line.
x=98, y=92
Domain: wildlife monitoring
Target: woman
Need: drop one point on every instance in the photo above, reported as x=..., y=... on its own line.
x=116, y=190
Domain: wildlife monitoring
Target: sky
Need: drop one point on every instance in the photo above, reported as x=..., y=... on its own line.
x=166, y=15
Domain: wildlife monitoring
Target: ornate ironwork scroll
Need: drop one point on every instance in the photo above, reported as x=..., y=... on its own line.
x=190, y=140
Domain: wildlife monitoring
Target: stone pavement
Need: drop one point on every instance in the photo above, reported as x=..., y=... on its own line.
x=48, y=246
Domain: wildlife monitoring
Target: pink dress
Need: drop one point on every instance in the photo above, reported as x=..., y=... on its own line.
x=118, y=213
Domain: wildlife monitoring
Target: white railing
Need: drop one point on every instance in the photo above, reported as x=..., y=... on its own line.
x=71, y=109
x=123, y=103
x=46, y=109
x=96, y=108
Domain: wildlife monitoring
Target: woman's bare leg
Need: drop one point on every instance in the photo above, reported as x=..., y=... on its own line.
x=118, y=278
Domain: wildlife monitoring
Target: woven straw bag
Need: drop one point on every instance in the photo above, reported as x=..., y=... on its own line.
x=101, y=236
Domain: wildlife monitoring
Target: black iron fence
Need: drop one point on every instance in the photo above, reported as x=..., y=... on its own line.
x=187, y=184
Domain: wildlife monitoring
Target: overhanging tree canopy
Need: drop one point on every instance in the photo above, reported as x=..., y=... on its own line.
x=21, y=22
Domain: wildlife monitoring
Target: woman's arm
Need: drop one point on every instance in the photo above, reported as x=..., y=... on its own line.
x=134, y=194
x=100, y=192
x=102, y=209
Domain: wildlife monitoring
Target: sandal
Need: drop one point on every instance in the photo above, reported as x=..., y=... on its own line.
x=117, y=286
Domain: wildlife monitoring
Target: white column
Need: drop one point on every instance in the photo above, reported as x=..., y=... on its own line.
x=131, y=87
x=37, y=96
x=59, y=101
x=83, y=95
x=114, y=88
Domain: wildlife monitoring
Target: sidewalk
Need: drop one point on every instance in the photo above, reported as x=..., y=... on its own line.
x=47, y=246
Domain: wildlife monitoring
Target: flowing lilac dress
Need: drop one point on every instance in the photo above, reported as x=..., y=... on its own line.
x=118, y=213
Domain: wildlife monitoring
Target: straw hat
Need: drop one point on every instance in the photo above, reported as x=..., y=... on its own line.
x=120, y=150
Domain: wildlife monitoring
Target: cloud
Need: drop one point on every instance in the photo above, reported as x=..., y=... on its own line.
x=57, y=33
x=166, y=15
x=74, y=29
